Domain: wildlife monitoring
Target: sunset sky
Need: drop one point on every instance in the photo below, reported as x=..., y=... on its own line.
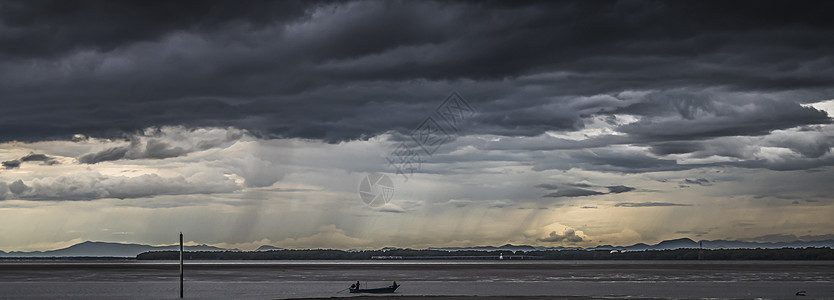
x=251, y=123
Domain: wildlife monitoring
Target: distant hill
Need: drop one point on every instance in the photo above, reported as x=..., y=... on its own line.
x=268, y=248
x=92, y=249
x=507, y=247
x=722, y=244
x=683, y=243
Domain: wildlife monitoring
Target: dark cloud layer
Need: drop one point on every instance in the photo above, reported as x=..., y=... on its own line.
x=13, y=164
x=153, y=148
x=617, y=189
x=92, y=186
x=581, y=190
x=648, y=204
x=573, y=193
x=345, y=70
x=55, y=28
x=699, y=181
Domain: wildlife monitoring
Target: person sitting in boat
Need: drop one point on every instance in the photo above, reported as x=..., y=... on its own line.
x=357, y=284
x=395, y=284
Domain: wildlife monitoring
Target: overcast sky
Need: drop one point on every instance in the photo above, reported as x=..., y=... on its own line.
x=243, y=123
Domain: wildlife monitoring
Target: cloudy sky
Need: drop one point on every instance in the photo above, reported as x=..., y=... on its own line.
x=570, y=123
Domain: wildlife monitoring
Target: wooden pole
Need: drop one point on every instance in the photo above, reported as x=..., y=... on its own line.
x=181, y=274
x=700, y=250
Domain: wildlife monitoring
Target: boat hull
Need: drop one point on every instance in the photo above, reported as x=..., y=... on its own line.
x=388, y=289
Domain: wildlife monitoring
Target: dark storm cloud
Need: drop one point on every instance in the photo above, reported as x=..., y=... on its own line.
x=707, y=115
x=617, y=189
x=606, y=159
x=37, y=157
x=54, y=28
x=158, y=143
x=574, y=190
x=699, y=181
x=648, y=204
x=46, y=160
x=547, y=186
x=115, y=153
x=573, y=193
x=152, y=148
x=92, y=186
x=345, y=70
x=11, y=164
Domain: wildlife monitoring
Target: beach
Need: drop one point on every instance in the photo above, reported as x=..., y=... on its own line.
x=419, y=279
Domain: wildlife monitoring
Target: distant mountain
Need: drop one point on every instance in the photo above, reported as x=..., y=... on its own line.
x=676, y=244
x=92, y=249
x=268, y=248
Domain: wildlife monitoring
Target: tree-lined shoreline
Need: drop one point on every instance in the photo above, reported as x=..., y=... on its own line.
x=824, y=253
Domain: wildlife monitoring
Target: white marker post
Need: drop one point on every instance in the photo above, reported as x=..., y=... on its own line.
x=181, y=274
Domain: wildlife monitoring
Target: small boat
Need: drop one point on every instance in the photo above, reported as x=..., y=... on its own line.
x=387, y=289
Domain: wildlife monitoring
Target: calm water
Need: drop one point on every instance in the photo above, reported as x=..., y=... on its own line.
x=298, y=279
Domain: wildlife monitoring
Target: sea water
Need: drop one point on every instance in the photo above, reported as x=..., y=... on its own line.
x=304, y=279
